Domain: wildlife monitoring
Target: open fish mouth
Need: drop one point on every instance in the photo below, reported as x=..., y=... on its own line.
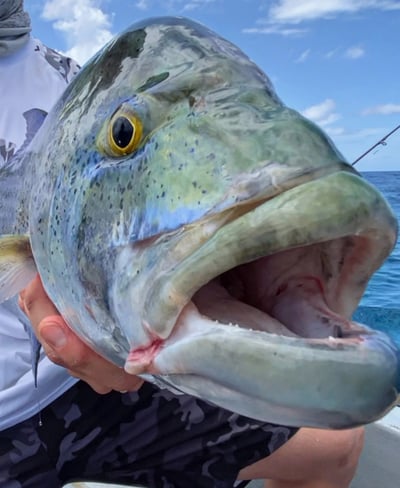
x=259, y=316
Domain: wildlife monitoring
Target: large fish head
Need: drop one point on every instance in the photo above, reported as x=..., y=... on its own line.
x=194, y=229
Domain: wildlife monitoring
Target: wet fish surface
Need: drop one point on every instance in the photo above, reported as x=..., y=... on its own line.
x=194, y=230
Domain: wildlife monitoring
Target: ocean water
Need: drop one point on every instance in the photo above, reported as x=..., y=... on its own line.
x=380, y=306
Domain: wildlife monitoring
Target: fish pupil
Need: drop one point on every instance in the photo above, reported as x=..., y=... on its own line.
x=122, y=132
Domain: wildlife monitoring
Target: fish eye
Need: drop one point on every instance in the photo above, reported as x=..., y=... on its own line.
x=124, y=133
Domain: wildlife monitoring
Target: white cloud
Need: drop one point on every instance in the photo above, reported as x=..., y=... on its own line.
x=354, y=52
x=361, y=135
x=386, y=109
x=174, y=5
x=323, y=113
x=195, y=4
x=330, y=54
x=303, y=56
x=284, y=12
x=142, y=4
x=335, y=131
x=84, y=24
x=274, y=29
x=296, y=11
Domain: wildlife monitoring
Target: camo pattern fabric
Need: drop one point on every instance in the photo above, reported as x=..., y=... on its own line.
x=149, y=438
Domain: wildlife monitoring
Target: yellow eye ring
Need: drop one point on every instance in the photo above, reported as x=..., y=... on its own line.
x=124, y=133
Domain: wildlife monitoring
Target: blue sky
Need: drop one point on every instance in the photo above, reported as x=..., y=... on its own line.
x=336, y=61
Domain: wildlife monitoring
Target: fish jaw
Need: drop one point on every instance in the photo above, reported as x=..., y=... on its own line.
x=300, y=272
x=332, y=383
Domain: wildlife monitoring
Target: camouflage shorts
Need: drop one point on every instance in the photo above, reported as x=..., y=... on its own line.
x=151, y=438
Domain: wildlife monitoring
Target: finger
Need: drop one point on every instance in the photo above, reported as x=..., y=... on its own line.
x=95, y=385
x=65, y=348
x=62, y=343
x=103, y=376
x=34, y=301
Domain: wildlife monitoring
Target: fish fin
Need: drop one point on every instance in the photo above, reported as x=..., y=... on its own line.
x=17, y=266
x=35, y=354
x=34, y=343
x=13, y=307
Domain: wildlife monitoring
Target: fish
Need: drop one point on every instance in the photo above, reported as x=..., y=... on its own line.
x=194, y=230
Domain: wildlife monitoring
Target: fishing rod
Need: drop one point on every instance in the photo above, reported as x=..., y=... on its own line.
x=380, y=142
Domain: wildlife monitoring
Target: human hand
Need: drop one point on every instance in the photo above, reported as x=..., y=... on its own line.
x=65, y=348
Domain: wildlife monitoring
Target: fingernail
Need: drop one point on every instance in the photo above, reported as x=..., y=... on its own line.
x=54, y=336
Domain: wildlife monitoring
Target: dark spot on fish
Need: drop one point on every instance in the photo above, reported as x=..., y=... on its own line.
x=153, y=81
x=103, y=73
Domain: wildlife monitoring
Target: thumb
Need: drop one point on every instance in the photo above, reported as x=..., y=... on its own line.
x=54, y=332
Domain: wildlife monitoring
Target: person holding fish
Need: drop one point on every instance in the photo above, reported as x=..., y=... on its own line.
x=88, y=419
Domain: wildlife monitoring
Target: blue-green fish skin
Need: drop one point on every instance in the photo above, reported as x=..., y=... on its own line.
x=222, y=173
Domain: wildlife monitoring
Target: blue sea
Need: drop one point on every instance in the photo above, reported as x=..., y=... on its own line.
x=380, y=306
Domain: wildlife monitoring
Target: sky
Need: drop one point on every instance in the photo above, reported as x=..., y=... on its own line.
x=335, y=61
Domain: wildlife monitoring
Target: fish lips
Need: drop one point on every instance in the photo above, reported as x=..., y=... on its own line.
x=332, y=383
x=340, y=380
